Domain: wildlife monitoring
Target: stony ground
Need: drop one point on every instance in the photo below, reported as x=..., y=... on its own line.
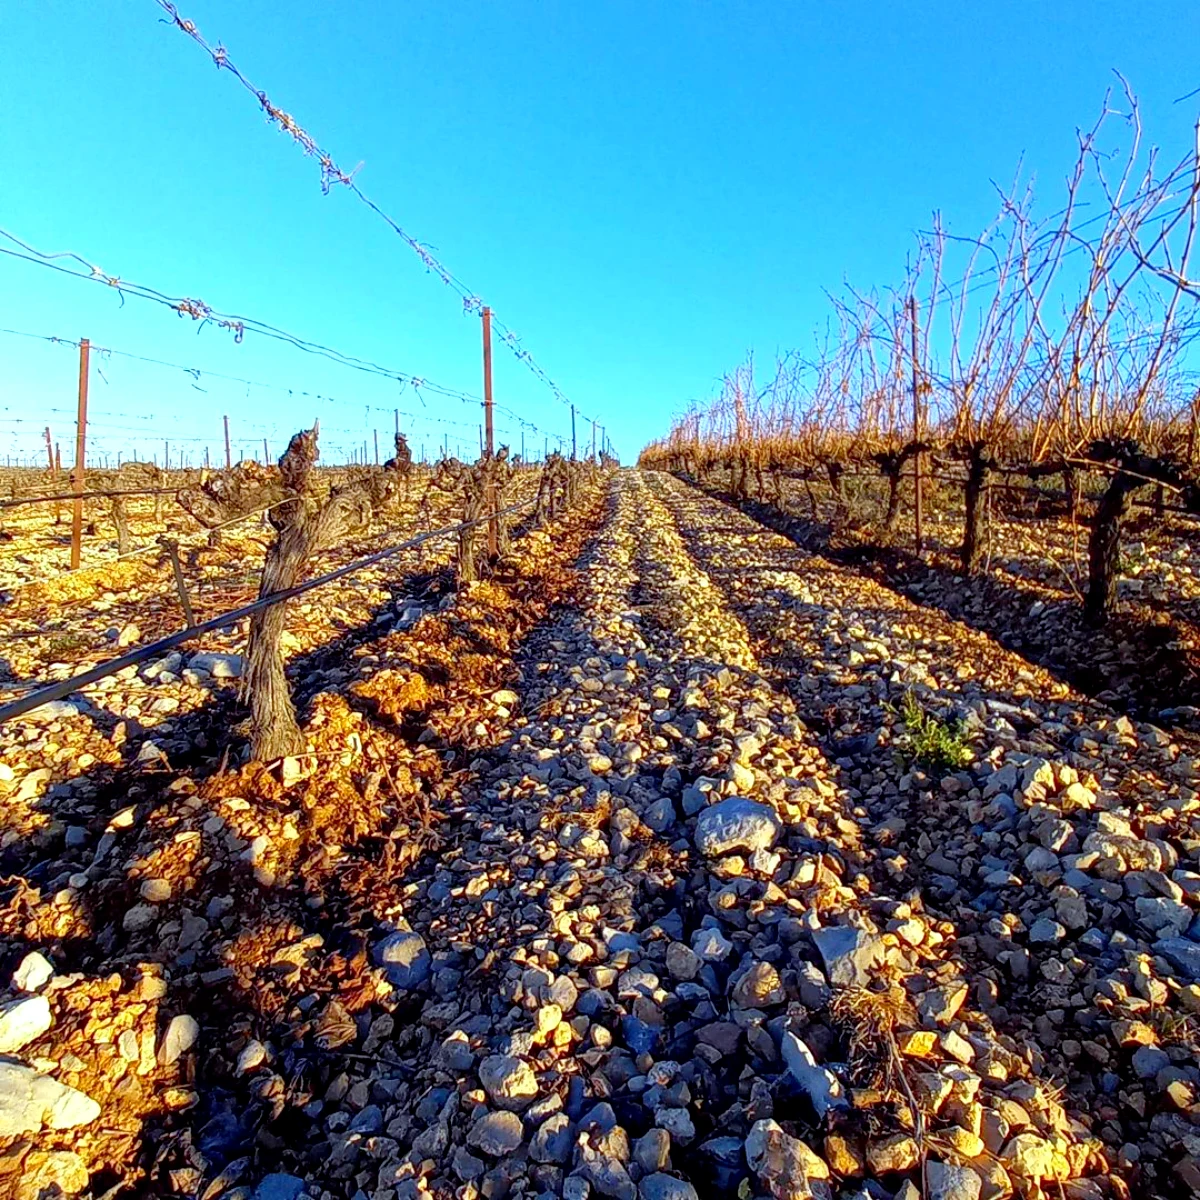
x=708, y=868
x=1029, y=594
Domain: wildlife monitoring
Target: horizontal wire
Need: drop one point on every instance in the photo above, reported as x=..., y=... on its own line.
x=332, y=174
x=417, y=383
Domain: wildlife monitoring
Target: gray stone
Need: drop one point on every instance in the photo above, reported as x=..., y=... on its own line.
x=30, y=1102
x=947, y=1182
x=466, y=1166
x=821, y=1086
x=33, y=973
x=1039, y=859
x=605, y=1170
x=849, y=955
x=711, y=944
x=682, y=962
x=784, y=1164
x=665, y=1187
x=677, y=1123
x=180, y=1037
x=219, y=666
x=1044, y=932
x=22, y=1021
x=660, y=815
x=1183, y=954
x=455, y=1053
x=759, y=987
x=496, y=1133
x=736, y=824
x=279, y=1186
x=405, y=958
x=553, y=1140
x=139, y=918
x=1148, y=1061
x=652, y=1151
x=509, y=1081
x=1163, y=917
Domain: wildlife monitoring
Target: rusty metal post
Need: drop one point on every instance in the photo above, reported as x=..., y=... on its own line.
x=918, y=514
x=171, y=546
x=85, y=349
x=493, y=528
x=228, y=455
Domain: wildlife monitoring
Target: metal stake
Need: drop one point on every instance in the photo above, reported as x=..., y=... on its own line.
x=171, y=546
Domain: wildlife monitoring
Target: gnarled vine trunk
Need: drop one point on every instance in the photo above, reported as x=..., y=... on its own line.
x=1104, y=547
x=979, y=469
x=306, y=522
x=120, y=516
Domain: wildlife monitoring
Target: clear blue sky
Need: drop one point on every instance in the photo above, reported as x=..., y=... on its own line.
x=644, y=191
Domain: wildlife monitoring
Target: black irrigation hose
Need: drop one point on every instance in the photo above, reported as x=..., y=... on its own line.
x=64, y=687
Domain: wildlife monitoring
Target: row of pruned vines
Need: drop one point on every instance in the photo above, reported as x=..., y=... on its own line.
x=311, y=514
x=1057, y=345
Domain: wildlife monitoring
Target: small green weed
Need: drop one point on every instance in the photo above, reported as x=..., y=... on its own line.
x=931, y=742
x=62, y=644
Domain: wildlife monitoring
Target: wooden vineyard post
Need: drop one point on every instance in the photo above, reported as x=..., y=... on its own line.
x=85, y=348
x=493, y=528
x=572, y=433
x=918, y=514
x=228, y=455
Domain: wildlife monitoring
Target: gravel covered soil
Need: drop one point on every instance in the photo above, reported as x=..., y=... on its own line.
x=1029, y=595
x=675, y=861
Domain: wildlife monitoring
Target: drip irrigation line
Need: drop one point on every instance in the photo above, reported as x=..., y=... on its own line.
x=64, y=687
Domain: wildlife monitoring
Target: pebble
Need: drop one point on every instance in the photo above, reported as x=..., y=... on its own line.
x=736, y=824
x=496, y=1133
x=182, y=1034
x=405, y=958
x=30, y=1102
x=23, y=1021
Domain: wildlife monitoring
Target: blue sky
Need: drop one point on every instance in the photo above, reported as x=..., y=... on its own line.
x=643, y=191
